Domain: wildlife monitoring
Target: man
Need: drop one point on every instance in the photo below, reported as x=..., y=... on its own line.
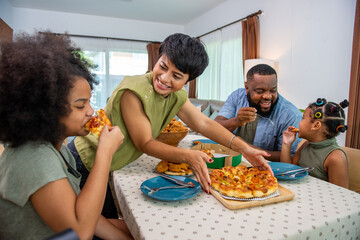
x=258, y=113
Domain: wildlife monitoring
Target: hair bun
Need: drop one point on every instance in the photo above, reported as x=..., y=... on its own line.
x=344, y=104
x=341, y=128
x=320, y=101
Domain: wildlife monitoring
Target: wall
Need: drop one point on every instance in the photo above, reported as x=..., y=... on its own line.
x=311, y=40
x=29, y=20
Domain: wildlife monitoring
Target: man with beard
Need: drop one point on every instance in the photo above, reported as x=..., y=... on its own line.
x=258, y=113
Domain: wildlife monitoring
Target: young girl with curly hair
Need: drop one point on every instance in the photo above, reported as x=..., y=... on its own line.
x=321, y=123
x=45, y=89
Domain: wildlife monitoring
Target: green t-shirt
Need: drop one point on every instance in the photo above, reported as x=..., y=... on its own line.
x=24, y=170
x=158, y=109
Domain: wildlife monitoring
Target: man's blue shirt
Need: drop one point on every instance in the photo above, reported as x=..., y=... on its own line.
x=269, y=131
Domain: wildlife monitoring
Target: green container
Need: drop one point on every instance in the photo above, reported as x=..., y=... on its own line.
x=234, y=158
x=220, y=162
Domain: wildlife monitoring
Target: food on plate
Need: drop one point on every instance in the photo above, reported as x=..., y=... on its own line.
x=97, y=123
x=179, y=169
x=196, y=142
x=162, y=166
x=241, y=182
x=175, y=126
x=295, y=130
x=208, y=152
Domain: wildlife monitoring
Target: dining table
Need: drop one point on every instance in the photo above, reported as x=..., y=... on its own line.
x=318, y=210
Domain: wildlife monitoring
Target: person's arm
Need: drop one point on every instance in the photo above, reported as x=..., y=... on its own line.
x=215, y=131
x=337, y=168
x=60, y=208
x=291, y=119
x=244, y=116
x=139, y=129
x=287, y=141
x=112, y=229
x=274, y=156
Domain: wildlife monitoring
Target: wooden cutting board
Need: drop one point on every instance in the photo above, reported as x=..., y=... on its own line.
x=285, y=195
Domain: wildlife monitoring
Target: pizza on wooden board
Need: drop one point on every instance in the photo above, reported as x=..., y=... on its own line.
x=241, y=182
x=97, y=123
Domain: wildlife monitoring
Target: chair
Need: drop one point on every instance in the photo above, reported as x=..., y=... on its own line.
x=1, y=148
x=353, y=155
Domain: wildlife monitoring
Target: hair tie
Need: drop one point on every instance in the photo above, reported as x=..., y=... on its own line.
x=338, y=128
x=344, y=104
x=318, y=114
x=320, y=101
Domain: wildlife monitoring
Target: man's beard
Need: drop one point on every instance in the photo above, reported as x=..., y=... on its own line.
x=258, y=107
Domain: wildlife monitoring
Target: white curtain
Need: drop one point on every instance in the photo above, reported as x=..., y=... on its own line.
x=225, y=71
x=115, y=59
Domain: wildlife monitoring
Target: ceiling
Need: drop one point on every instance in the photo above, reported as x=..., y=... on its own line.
x=178, y=12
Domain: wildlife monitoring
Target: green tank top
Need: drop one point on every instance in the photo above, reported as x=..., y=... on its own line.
x=158, y=109
x=314, y=155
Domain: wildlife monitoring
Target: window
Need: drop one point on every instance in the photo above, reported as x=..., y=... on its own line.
x=224, y=73
x=115, y=60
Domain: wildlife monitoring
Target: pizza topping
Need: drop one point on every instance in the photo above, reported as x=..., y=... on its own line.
x=241, y=182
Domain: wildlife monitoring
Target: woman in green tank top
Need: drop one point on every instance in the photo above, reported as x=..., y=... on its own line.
x=322, y=122
x=143, y=105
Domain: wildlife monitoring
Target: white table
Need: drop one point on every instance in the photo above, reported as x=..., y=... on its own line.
x=319, y=210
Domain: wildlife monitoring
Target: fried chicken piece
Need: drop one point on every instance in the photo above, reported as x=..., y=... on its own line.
x=173, y=167
x=208, y=152
x=175, y=126
x=162, y=166
x=184, y=166
x=295, y=130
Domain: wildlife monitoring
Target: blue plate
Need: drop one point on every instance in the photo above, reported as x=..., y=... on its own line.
x=172, y=194
x=282, y=167
x=203, y=141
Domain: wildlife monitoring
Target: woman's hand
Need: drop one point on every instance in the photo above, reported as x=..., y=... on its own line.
x=110, y=139
x=256, y=158
x=197, y=162
x=289, y=136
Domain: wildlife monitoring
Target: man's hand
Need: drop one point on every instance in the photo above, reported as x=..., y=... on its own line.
x=246, y=115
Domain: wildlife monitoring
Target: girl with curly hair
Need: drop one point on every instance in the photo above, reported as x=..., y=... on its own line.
x=45, y=89
x=321, y=123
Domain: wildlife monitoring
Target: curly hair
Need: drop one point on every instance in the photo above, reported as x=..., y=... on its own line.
x=36, y=74
x=331, y=114
x=188, y=54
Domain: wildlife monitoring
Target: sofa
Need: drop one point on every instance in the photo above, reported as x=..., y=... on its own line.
x=210, y=108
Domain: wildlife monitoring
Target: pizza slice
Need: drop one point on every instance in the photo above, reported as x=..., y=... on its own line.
x=97, y=123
